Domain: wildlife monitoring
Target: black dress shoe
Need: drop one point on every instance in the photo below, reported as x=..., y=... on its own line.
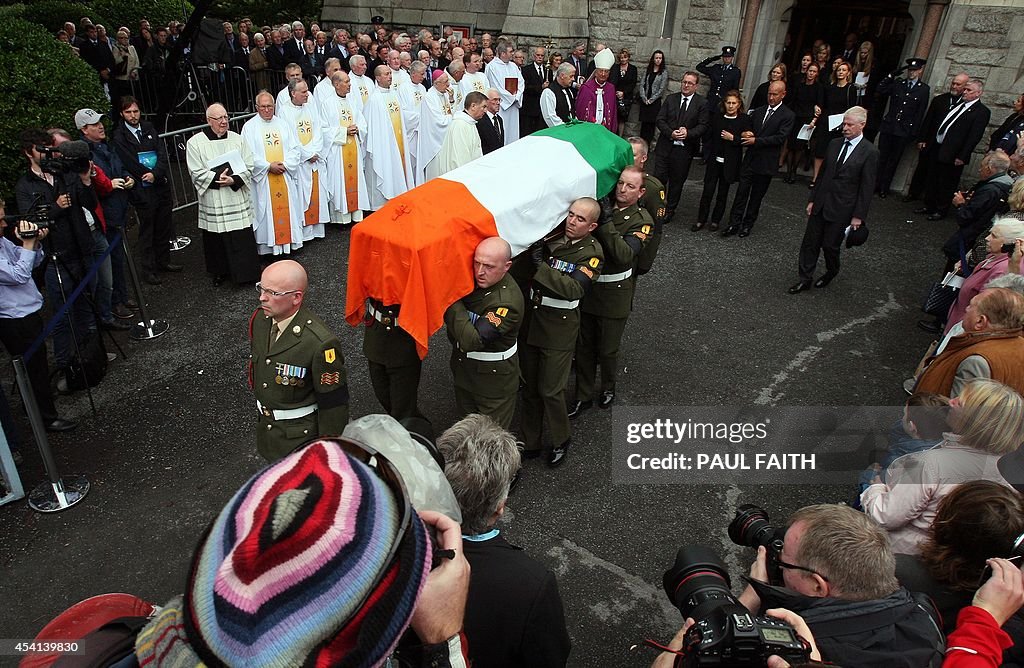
x=114, y=325
x=713, y=227
x=697, y=227
x=151, y=278
x=800, y=287
x=823, y=281
x=607, y=399
x=170, y=266
x=883, y=194
x=744, y=232
x=936, y=216
x=930, y=326
x=529, y=454
x=577, y=407
x=558, y=455
x=923, y=210
x=60, y=424
x=729, y=231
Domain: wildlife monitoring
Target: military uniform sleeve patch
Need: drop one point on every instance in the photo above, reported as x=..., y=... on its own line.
x=330, y=378
x=646, y=229
x=593, y=262
x=493, y=319
x=502, y=311
x=587, y=271
x=330, y=356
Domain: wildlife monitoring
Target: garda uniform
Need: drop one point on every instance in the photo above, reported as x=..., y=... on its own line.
x=908, y=102
x=393, y=361
x=549, y=333
x=654, y=203
x=299, y=381
x=606, y=308
x=724, y=78
x=482, y=327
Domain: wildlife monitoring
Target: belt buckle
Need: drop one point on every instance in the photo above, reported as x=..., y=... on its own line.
x=537, y=297
x=266, y=412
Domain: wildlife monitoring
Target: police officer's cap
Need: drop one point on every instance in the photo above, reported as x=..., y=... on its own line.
x=377, y=20
x=915, y=63
x=728, y=51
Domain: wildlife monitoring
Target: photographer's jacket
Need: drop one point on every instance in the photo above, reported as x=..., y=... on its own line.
x=69, y=234
x=897, y=631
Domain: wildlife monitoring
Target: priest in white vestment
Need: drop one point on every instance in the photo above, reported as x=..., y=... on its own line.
x=410, y=96
x=277, y=212
x=461, y=141
x=304, y=118
x=435, y=117
x=344, y=131
x=504, y=75
x=324, y=89
x=362, y=85
x=220, y=165
x=474, y=78
x=388, y=154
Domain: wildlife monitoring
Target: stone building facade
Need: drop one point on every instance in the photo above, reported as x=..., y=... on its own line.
x=982, y=37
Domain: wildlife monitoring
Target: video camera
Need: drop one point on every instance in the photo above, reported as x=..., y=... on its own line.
x=724, y=632
x=71, y=157
x=39, y=216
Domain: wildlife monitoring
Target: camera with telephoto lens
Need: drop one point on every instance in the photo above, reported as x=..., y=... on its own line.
x=724, y=632
x=752, y=528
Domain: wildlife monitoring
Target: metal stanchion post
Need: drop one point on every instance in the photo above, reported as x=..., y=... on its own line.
x=146, y=328
x=59, y=493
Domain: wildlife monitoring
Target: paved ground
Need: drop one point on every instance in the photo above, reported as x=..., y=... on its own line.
x=713, y=326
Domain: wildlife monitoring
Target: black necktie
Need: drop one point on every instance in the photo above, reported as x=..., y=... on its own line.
x=842, y=154
x=497, y=128
x=767, y=116
x=682, y=108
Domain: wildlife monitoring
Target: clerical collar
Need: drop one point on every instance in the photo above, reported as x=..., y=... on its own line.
x=212, y=136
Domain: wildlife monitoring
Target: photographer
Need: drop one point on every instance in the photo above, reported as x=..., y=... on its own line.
x=62, y=198
x=838, y=573
x=20, y=303
x=978, y=641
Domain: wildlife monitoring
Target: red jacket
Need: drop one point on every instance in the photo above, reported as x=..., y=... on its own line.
x=977, y=641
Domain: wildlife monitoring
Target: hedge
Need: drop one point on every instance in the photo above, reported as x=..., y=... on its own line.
x=44, y=85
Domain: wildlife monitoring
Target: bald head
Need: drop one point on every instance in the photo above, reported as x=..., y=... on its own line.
x=491, y=261
x=283, y=287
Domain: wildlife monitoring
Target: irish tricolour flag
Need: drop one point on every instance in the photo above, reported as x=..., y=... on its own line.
x=417, y=250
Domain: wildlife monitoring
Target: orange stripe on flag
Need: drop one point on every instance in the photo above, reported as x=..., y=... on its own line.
x=417, y=251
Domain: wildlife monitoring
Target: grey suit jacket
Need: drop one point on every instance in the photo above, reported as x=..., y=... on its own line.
x=844, y=192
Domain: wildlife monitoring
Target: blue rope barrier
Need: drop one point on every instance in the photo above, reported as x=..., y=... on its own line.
x=62, y=311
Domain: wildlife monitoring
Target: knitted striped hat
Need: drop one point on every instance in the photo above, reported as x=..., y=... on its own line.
x=296, y=570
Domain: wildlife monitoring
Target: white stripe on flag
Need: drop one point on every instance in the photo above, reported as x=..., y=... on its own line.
x=528, y=186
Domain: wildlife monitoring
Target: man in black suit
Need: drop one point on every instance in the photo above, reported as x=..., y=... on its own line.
x=242, y=54
x=958, y=134
x=143, y=155
x=229, y=36
x=578, y=59
x=534, y=84
x=514, y=613
x=772, y=124
x=339, y=48
x=683, y=120
x=276, y=56
x=294, y=46
x=937, y=110
x=490, y=127
x=840, y=200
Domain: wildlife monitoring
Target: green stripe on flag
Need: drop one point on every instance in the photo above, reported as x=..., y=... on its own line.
x=606, y=152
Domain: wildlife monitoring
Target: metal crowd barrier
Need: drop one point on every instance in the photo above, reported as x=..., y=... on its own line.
x=184, y=192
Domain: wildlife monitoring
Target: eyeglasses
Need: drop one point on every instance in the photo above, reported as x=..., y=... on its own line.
x=217, y=119
x=794, y=567
x=273, y=293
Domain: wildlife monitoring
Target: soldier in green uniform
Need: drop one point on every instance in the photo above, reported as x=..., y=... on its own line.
x=654, y=203
x=623, y=233
x=483, y=327
x=564, y=271
x=394, y=363
x=297, y=371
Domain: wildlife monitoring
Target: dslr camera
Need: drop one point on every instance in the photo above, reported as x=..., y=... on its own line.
x=724, y=632
x=752, y=528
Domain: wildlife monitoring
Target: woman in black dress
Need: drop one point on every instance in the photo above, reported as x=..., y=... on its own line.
x=651, y=89
x=777, y=73
x=723, y=167
x=554, y=60
x=623, y=78
x=806, y=100
x=839, y=97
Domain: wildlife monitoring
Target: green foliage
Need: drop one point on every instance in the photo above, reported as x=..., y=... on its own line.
x=267, y=12
x=52, y=14
x=129, y=12
x=44, y=86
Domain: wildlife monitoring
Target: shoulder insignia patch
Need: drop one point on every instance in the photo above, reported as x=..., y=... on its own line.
x=593, y=262
x=329, y=356
x=646, y=229
x=502, y=311
x=662, y=194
